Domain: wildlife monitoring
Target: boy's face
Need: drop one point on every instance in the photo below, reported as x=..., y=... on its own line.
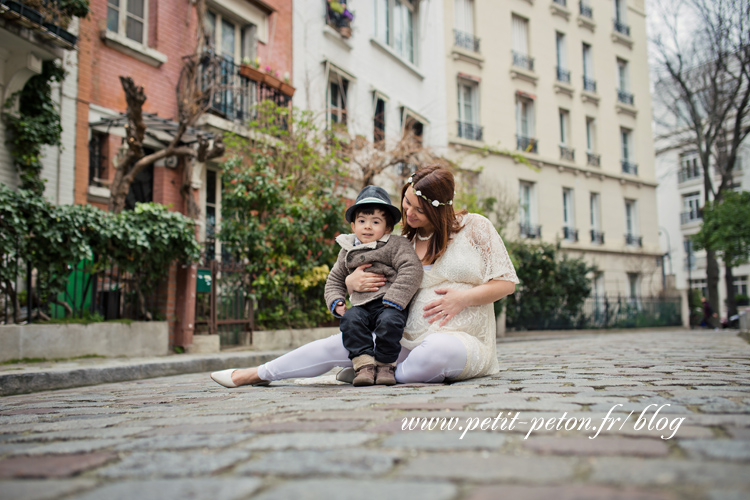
x=369, y=228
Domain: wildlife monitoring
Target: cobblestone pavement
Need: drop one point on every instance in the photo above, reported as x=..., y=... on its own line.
x=185, y=437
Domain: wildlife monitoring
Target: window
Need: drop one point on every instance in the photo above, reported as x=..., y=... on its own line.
x=97, y=158
x=338, y=87
x=589, y=84
x=699, y=284
x=691, y=207
x=378, y=135
x=689, y=166
x=563, y=75
x=468, y=110
x=597, y=237
x=412, y=125
x=212, y=193
x=633, y=286
x=626, y=152
x=232, y=40
x=525, y=123
x=527, y=209
x=590, y=134
x=128, y=17
x=569, y=232
x=631, y=222
x=619, y=8
x=740, y=285
x=395, y=26
x=597, y=285
x=142, y=188
x=464, y=12
x=564, y=127
x=622, y=75
x=520, y=43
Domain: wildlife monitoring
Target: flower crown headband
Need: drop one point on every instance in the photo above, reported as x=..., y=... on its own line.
x=434, y=203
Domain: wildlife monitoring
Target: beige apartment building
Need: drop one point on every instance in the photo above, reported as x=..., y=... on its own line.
x=565, y=83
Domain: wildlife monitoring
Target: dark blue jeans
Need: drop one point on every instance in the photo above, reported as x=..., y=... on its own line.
x=387, y=323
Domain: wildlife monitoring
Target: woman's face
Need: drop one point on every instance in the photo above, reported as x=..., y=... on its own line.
x=412, y=208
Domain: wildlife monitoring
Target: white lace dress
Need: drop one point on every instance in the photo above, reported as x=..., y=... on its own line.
x=475, y=255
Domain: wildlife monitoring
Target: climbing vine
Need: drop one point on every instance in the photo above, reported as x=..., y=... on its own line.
x=37, y=123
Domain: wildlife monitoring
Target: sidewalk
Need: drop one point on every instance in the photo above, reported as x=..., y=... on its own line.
x=648, y=415
x=23, y=378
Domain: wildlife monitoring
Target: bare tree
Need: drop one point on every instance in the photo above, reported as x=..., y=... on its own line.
x=199, y=81
x=703, y=85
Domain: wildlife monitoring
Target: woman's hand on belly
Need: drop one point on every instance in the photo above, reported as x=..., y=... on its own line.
x=450, y=304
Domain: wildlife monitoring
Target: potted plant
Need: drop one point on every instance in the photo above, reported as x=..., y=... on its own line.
x=271, y=80
x=340, y=17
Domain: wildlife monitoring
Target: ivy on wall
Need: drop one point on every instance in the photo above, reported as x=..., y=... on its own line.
x=36, y=124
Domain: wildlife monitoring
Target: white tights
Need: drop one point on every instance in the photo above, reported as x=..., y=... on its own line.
x=440, y=356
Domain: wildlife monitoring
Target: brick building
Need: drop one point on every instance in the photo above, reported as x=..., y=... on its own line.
x=147, y=40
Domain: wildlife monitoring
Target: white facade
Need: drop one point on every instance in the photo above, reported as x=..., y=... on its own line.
x=22, y=51
x=375, y=63
x=565, y=84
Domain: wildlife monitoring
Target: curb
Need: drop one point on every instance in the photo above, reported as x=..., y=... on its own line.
x=24, y=383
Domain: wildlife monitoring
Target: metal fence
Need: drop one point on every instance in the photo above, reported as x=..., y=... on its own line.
x=604, y=312
x=99, y=291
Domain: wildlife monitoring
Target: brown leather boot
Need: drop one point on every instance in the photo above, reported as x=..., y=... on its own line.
x=365, y=376
x=385, y=375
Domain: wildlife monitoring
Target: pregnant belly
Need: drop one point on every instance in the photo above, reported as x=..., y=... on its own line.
x=416, y=324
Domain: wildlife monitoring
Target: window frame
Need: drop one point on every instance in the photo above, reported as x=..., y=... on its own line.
x=631, y=217
x=564, y=115
x=517, y=37
x=591, y=134
x=561, y=49
x=525, y=110
x=588, y=61
x=568, y=208
x=627, y=151
x=529, y=189
x=623, y=75
x=473, y=87
x=386, y=31
x=595, y=210
x=122, y=20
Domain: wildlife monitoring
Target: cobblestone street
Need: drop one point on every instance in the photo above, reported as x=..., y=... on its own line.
x=185, y=437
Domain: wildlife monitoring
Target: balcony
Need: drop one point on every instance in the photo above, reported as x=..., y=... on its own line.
x=470, y=131
x=597, y=237
x=570, y=234
x=589, y=85
x=239, y=88
x=526, y=144
x=523, y=61
x=625, y=97
x=564, y=3
x=593, y=160
x=585, y=10
x=633, y=240
x=629, y=168
x=688, y=174
x=465, y=41
x=563, y=75
x=339, y=17
x=567, y=154
x=691, y=216
x=530, y=230
x=621, y=28
x=44, y=21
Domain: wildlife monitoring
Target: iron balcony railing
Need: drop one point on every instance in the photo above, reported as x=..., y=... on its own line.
x=570, y=234
x=622, y=28
x=466, y=40
x=633, y=240
x=691, y=216
x=527, y=144
x=589, y=85
x=629, y=168
x=625, y=97
x=567, y=154
x=564, y=3
x=530, y=230
x=563, y=75
x=686, y=174
x=523, y=61
x=585, y=10
x=45, y=20
x=597, y=237
x=593, y=160
x=235, y=94
x=471, y=131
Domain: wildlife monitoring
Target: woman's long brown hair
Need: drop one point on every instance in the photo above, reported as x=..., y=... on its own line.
x=436, y=183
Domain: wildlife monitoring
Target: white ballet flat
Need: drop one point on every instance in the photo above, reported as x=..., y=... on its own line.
x=346, y=375
x=224, y=377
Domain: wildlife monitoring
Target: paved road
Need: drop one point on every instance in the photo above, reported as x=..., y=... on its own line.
x=184, y=437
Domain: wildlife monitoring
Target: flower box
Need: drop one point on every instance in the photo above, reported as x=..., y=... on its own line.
x=287, y=89
x=271, y=81
x=252, y=73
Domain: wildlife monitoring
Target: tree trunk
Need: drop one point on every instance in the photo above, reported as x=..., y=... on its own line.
x=712, y=279
x=731, y=304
